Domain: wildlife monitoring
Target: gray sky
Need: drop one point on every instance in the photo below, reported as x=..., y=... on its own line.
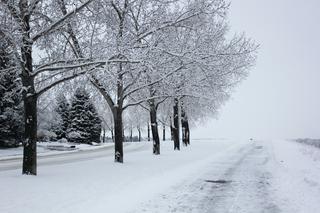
x=281, y=97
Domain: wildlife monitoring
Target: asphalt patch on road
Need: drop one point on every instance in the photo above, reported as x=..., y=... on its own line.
x=218, y=181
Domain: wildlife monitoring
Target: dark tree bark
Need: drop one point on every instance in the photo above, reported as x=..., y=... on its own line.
x=176, y=127
x=154, y=128
x=118, y=109
x=118, y=134
x=188, y=132
x=104, y=135
x=29, y=166
x=185, y=127
x=163, y=132
x=171, y=129
x=148, y=130
x=29, y=96
x=139, y=132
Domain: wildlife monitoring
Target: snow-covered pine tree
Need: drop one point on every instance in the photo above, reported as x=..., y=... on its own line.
x=11, y=110
x=63, y=120
x=85, y=126
x=95, y=124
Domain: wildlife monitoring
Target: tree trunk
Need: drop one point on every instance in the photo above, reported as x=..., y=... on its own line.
x=131, y=138
x=148, y=130
x=171, y=129
x=30, y=144
x=187, y=132
x=104, y=135
x=176, y=127
x=139, y=132
x=185, y=127
x=29, y=166
x=164, y=132
x=154, y=128
x=118, y=135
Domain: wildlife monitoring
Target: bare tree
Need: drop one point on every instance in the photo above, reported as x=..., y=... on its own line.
x=23, y=38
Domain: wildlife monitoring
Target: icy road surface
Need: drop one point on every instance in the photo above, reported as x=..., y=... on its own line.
x=209, y=176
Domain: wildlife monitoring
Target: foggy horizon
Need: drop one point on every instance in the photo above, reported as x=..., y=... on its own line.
x=279, y=99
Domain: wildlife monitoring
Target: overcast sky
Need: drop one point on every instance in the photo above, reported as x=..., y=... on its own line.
x=281, y=97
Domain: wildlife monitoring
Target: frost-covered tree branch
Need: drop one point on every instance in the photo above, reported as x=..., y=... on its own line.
x=57, y=23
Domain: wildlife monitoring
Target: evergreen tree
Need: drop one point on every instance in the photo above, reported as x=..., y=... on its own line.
x=63, y=120
x=85, y=126
x=11, y=109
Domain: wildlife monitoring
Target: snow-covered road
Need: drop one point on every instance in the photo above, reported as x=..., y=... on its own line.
x=236, y=182
x=63, y=157
x=213, y=176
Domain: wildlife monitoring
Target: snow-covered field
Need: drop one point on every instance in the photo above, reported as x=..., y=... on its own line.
x=209, y=176
x=296, y=176
x=308, y=141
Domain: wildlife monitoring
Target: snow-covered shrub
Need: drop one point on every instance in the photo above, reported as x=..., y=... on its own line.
x=63, y=140
x=46, y=135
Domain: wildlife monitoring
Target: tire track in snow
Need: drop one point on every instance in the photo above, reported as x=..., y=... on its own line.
x=244, y=188
x=249, y=189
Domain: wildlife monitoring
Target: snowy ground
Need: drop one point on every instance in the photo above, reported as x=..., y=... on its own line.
x=209, y=176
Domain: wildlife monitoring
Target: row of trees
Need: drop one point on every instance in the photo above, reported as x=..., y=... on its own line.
x=142, y=53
